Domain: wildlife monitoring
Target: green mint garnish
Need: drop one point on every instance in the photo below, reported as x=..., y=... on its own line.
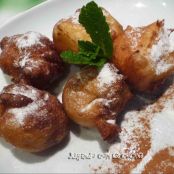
x=98, y=51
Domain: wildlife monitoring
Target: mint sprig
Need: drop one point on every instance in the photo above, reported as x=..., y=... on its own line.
x=100, y=49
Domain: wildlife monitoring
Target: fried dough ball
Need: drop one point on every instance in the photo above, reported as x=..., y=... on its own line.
x=30, y=58
x=67, y=32
x=93, y=98
x=145, y=55
x=32, y=120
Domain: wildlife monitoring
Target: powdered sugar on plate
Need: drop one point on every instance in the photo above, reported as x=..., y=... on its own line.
x=161, y=131
x=132, y=129
x=144, y=134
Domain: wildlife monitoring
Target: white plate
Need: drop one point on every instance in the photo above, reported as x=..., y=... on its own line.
x=42, y=19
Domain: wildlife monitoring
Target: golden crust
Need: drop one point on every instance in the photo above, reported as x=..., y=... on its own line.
x=30, y=58
x=32, y=120
x=90, y=105
x=132, y=57
x=67, y=32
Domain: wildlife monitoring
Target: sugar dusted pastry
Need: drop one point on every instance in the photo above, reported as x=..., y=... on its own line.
x=30, y=58
x=145, y=55
x=67, y=32
x=31, y=119
x=94, y=98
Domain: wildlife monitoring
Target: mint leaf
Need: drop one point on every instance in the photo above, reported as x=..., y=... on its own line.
x=77, y=58
x=100, y=49
x=86, y=46
x=82, y=59
x=92, y=18
x=87, y=55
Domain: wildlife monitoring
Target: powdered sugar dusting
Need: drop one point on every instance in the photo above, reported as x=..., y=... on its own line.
x=75, y=17
x=98, y=101
x=108, y=75
x=171, y=40
x=151, y=129
x=31, y=108
x=161, y=131
x=21, y=113
x=27, y=92
x=59, y=97
x=163, y=46
x=30, y=64
x=132, y=128
x=46, y=97
x=129, y=148
x=23, y=43
x=134, y=35
x=28, y=39
x=105, y=13
x=162, y=66
x=111, y=121
x=171, y=152
x=24, y=60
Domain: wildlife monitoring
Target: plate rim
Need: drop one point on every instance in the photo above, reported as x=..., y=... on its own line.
x=25, y=12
